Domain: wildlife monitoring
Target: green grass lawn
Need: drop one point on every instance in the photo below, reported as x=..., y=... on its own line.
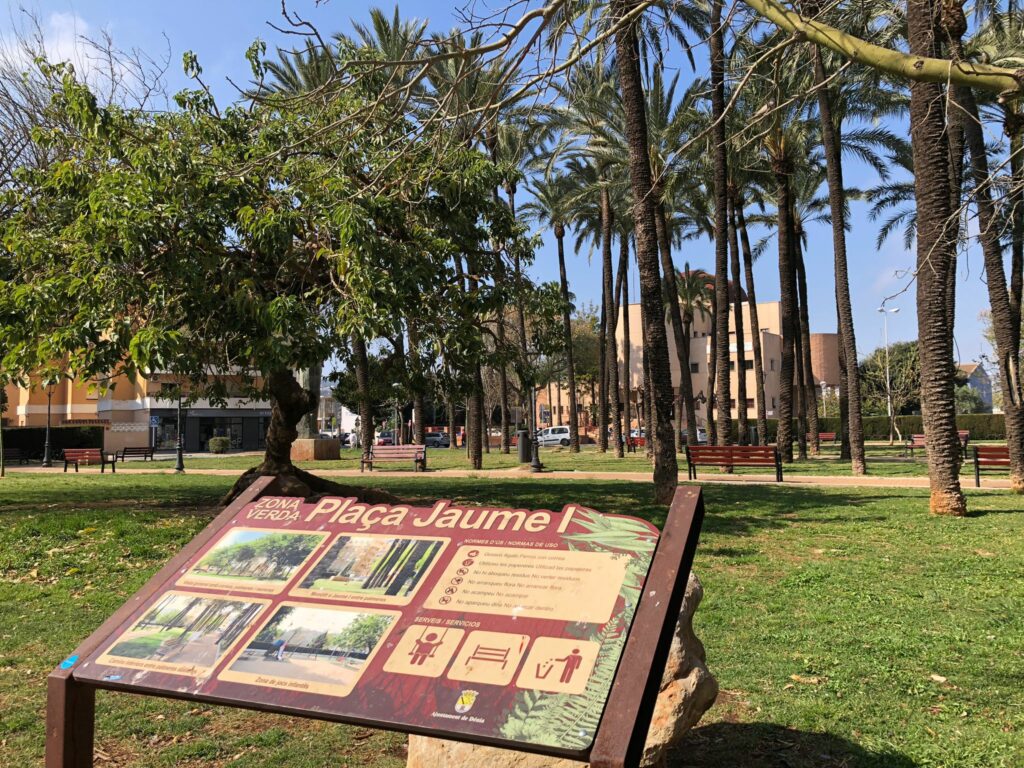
x=883, y=460
x=846, y=626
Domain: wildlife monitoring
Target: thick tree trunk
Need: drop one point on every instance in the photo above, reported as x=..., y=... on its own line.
x=666, y=470
x=361, y=363
x=450, y=406
x=289, y=402
x=755, y=327
x=737, y=314
x=845, y=423
x=682, y=343
x=723, y=393
x=309, y=379
x=787, y=297
x=935, y=251
x=419, y=434
x=574, y=420
x=851, y=422
x=648, y=395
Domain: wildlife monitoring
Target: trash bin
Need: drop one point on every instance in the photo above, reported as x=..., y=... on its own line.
x=525, y=446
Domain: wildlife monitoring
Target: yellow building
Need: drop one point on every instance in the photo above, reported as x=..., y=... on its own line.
x=139, y=413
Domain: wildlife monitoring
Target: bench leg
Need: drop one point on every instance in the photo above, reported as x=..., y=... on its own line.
x=977, y=473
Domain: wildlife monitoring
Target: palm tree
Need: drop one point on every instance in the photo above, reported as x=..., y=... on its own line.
x=935, y=253
x=666, y=468
x=550, y=205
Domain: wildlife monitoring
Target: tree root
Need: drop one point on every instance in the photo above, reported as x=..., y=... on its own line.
x=292, y=481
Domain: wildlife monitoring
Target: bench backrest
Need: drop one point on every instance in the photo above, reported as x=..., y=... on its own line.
x=732, y=452
x=963, y=434
x=136, y=451
x=13, y=453
x=826, y=436
x=397, y=451
x=997, y=452
x=83, y=453
x=918, y=440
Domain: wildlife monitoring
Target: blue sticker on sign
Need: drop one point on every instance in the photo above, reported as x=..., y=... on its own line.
x=69, y=662
x=112, y=677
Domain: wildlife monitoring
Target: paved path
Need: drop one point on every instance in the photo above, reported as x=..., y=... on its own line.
x=835, y=481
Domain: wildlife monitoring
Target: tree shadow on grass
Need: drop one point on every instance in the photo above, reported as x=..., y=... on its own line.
x=767, y=745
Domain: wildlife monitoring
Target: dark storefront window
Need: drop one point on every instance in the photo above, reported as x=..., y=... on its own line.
x=221, y=426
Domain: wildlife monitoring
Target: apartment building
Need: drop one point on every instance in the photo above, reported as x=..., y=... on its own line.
x=824, y=358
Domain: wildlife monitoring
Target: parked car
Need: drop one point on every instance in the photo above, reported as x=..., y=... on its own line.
x=437, y=440
x=553, y=436
x=638, y=433
x=702, y=436
x=387, y=437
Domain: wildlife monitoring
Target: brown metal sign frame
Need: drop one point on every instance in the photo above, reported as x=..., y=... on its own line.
x=619, y=742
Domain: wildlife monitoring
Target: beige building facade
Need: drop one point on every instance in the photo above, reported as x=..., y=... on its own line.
x=824, y=358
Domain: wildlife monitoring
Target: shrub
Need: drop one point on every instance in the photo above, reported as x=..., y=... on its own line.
x=219, y=444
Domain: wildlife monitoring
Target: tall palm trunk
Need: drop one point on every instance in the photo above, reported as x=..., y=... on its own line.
x=627, y=341
x=450, y=407
x=666, y=470
x=648, y=394
x=845, y=443
x=709, y=350
x=419, y=434
x=361, y=363
x=1005, y=317
x=506, y=427
x=801, y=381
x=737, y=315
x=934, y=253
x=602, y=384
x=755, y=327
x=574, y=421
x=721, y=176
x=682, y=341
x=712, y=358
x=810, y=386
x=851, y=424
x=613, y=355
x=787, y=298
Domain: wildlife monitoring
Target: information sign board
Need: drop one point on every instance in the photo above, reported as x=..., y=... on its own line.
x=493, y=625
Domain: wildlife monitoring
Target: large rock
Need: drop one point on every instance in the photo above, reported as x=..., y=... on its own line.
x=688, y=690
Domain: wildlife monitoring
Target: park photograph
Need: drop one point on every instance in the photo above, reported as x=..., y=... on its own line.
x=253, y=560
x=311, y=648
x=371, y=568
x=183, y=634
x=750, y=272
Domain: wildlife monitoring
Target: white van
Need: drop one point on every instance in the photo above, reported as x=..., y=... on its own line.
x=553, y=436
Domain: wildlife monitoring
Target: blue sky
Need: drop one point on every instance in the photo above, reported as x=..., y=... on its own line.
x=219, y=31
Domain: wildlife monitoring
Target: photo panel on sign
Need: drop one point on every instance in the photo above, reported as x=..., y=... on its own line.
x=312, y=648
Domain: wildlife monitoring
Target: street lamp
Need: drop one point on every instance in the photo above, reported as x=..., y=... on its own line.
x=824, y=405
x=535, y=465
x=888, y=383
x=179, y=467
x=47, y=457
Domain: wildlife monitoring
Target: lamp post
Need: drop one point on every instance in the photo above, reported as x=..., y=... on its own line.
x=824, y=405
x=888, y=383
x=47, y=455
x=535, y=465
x=179, y=467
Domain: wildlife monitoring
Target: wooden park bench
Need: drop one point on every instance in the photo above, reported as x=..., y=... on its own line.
x=417, y=454
x=921, y=441
x=143, y=452
x=89, y=456
x=12, y=455
x=733, y=456
x=990, y=457
x=914, y=441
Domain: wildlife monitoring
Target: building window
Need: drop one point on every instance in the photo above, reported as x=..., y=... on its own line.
x=750, y=402
x=732, y=365
x=732, y=402
x=748, y=365
x=773, y=403
x=694, y=367
x=772, y=362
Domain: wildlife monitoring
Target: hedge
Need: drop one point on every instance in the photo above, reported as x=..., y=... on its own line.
x=219, y=444
x=31, y=440
x=982, y=426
